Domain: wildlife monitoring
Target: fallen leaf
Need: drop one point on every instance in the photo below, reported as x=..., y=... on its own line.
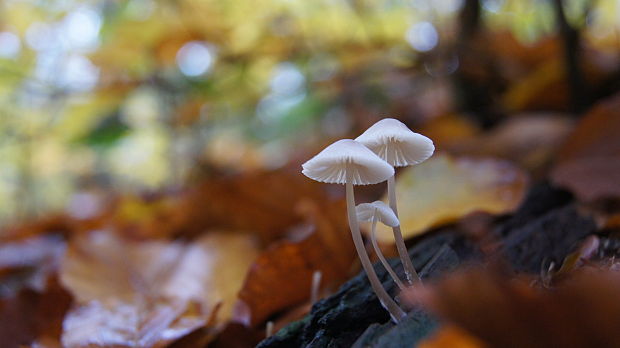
x=29, y=263
x=450, y=131
x=530, y=140
x=149, y=293
x=56, y=223
x=149, y=217
x=261, y=202
x=545, y=87
x=581, y=311
x=33, y=315
x=444, y=189
x=589, y=162
x=237, y=336
x=282, y=275
x=451, y=337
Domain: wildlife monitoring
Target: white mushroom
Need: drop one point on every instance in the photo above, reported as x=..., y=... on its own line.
x=351, y=163
x=379, y=211
x=347, y=162
x=391, y=140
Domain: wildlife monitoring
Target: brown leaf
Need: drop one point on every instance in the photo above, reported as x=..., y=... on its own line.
x=237, y=336
x=589, y=162
x=582, y=311
x=259, y=202
x=450, y=131
x=451, y=337
x=444, y=189
x=146, y=294
x=545, y=86
x=530, y=140
x=57, y=223
x=282, y=275
x=33, y=315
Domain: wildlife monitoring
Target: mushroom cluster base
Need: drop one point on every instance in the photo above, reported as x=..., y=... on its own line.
x=353, y=317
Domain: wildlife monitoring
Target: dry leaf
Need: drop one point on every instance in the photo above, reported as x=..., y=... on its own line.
x=589, y=162
x=149, y=217
x=546, y=87
x=260, y=202
x=444, y=189
x=451, y=337
x=56, y=223
x=29, y=263
x=33, y=315
x=146, y=294
x=580, y=312
x=281, y=277
x=530, y=140
x=450, y=131
x=237, y=336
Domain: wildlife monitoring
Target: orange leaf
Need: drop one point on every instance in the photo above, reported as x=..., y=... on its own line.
x=582, y=311
x=451, y=337
x=282, y=275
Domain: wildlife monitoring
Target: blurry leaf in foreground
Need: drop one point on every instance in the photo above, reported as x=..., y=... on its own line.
x=451, y=337
x=582, y=311
x=444, y=189
x=282, y=275
x=58, y=224
x=28, y=263
x=237, y=336
x=589, y=162
x=146, y=294
x=33, y=315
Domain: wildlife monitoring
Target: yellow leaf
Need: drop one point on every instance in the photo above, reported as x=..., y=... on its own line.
x=444, y=188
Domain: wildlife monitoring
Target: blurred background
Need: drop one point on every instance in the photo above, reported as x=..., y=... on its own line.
x=150, y=152
x=149, y=96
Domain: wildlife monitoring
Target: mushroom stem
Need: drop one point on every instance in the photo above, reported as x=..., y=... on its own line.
x=410, y=271
x=316, y=286
x=388, y=268
x=386, y=301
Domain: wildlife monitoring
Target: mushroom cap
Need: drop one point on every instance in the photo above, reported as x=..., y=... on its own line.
x=397, y=144
x=347, y=157
x=385, y=214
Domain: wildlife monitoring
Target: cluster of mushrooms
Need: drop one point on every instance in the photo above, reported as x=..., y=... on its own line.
x=370, y=159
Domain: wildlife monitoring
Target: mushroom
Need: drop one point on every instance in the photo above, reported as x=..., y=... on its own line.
x=391, y=140
x=348, y=162
x=379, y=211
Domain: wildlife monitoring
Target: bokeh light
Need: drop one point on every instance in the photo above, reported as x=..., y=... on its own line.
x=195, y=59
x=422, y=36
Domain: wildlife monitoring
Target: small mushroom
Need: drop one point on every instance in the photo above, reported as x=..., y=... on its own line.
x=379, y=211
x=391, y=140
x=348, y=162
